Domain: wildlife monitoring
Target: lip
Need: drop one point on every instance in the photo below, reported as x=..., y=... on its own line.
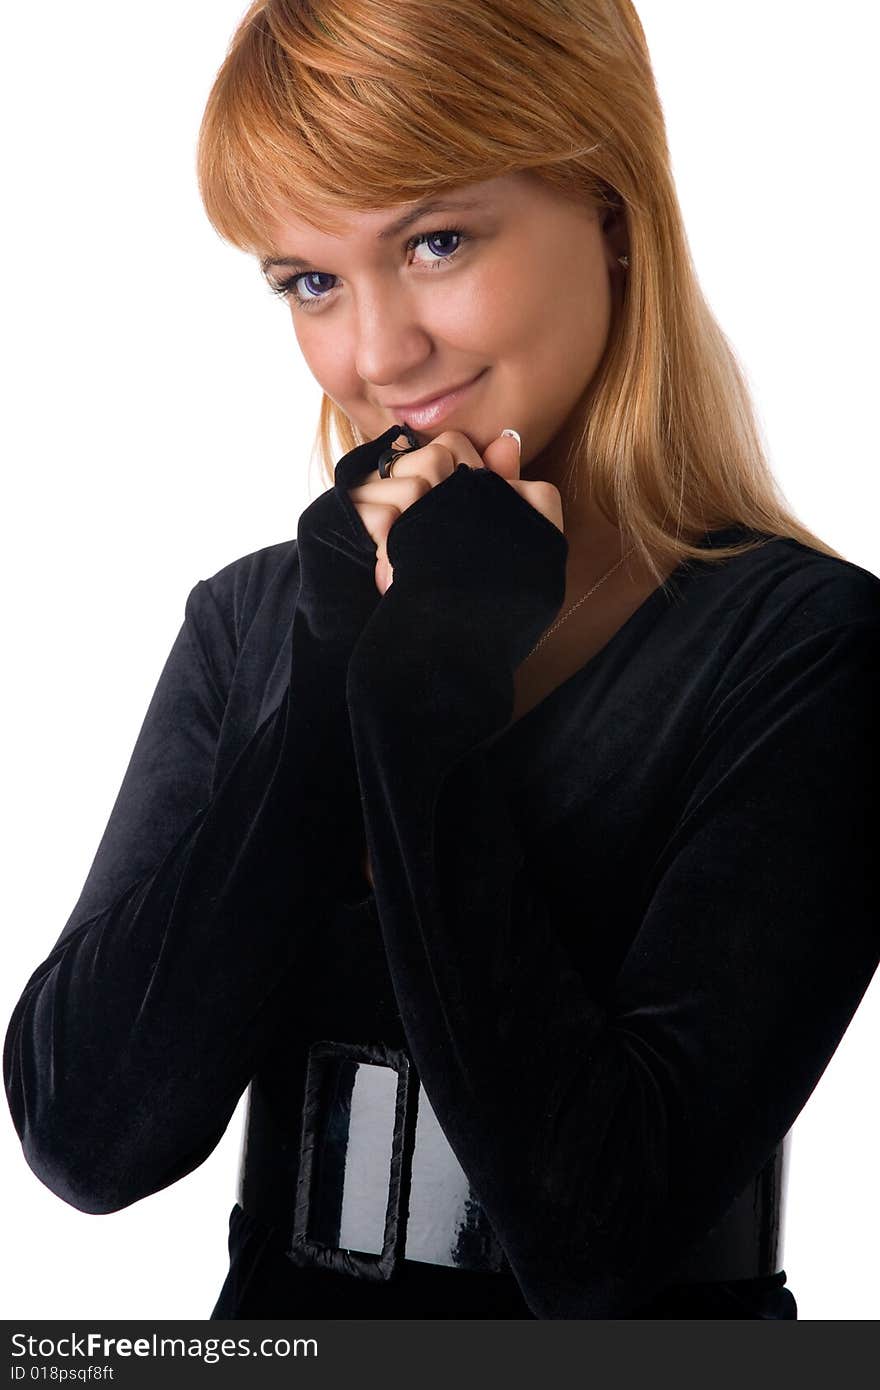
x=433, y=408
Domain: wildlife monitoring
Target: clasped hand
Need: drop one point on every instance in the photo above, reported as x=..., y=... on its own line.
x=380, y=501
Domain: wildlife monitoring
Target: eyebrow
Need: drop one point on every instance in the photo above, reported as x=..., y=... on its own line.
x=392, y=230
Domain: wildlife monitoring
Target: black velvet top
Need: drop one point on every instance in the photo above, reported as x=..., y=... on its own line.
x=616, y=942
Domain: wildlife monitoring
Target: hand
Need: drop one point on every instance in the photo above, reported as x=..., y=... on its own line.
x=380, y=501
x=337, y=555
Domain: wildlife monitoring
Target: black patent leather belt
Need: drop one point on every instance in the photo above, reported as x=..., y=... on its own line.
x=377, y=1183
x=377, y=1180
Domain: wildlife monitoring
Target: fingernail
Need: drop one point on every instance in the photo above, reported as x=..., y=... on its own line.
x=512, y=434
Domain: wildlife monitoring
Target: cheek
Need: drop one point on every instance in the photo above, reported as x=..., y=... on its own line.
x=561, y=336
x=554, y=317
x=327, y=357
x=565, y=325
x=499, y=317
x=470, y=316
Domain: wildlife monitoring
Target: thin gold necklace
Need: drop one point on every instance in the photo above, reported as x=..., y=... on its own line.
x=582, y=599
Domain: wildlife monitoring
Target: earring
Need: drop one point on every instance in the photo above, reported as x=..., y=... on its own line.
x=624, y=261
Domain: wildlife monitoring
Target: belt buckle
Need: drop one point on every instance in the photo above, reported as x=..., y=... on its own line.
x=324, y=1153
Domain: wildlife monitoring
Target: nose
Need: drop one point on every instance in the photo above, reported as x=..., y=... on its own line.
x=392, y=339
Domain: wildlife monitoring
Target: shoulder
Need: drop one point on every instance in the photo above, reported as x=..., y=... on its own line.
x=779, y=600
x=257, y=585
x=781, y=584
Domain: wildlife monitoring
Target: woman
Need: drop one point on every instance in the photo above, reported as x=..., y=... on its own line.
x=505, y=832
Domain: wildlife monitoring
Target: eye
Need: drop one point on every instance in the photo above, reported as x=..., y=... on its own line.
x=316, y=293
x=428, y=238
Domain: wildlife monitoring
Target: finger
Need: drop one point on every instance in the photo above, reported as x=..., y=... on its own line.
x=378, y=518
x=368, y=868
x=460, y=448
x=504, y=454
x=380, y=501
x=397, y=492
x=382, y=518
x=421, y=469
x=544, y=497
x=384, y=572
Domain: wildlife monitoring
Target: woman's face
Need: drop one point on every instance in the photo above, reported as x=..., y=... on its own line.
x=520, y=297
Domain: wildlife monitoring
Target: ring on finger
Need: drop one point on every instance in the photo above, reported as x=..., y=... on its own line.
x=388, y=456
x=387, y=460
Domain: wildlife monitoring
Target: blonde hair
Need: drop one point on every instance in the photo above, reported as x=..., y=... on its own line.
x=361, y=104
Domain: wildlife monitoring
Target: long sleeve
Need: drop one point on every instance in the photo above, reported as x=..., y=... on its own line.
x=133, y=1040
x=605, y=1132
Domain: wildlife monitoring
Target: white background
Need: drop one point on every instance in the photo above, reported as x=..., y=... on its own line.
x=158, y=423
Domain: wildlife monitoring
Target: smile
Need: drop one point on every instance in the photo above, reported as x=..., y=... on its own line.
x=432, y=411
